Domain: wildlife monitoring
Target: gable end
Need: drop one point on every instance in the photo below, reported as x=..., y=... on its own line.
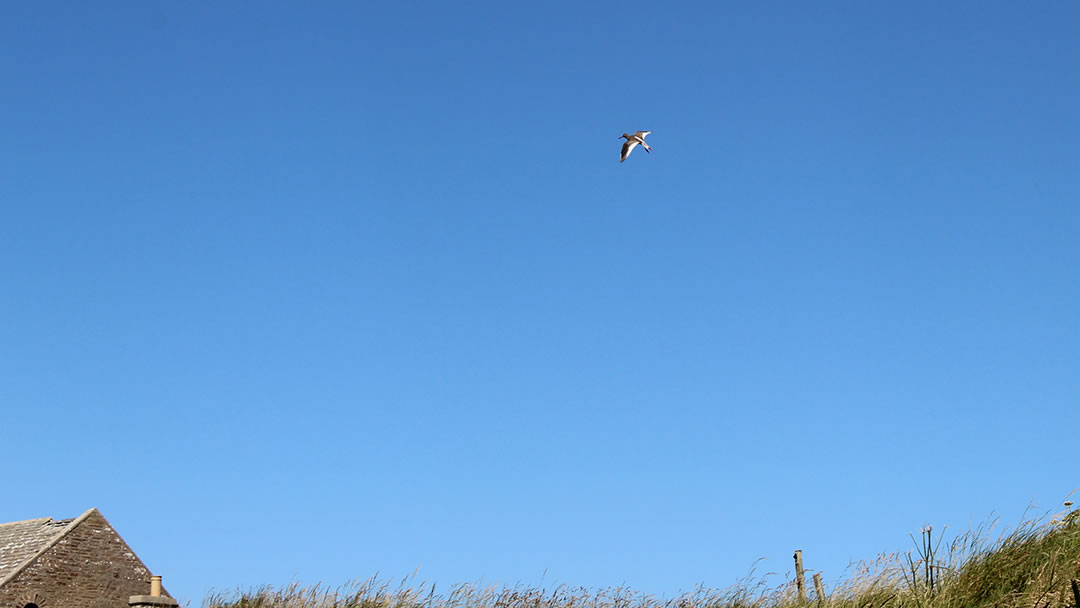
x=88, y=565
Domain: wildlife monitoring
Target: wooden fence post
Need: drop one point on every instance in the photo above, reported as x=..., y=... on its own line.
x=819, y=588
x=800, y=576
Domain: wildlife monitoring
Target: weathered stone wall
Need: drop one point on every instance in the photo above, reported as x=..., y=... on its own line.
x=90, y=567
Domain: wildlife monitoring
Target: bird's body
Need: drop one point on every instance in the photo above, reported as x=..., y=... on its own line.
x=632, y=142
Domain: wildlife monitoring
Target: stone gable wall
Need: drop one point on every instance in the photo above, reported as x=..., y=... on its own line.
x=90, y=567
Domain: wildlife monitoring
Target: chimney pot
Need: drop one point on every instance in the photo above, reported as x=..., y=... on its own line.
x=155, y=599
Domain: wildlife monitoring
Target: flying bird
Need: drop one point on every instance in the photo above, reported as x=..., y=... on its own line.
x=632, y=141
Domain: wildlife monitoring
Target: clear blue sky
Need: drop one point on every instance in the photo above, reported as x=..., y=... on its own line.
x=315, y=292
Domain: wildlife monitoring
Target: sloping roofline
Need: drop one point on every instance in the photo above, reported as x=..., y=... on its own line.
x=49, y=545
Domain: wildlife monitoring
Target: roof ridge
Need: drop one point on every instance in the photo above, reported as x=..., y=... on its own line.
x=71, y=524
x=26, y=521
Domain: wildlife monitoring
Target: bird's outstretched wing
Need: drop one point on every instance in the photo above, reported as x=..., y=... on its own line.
x=642, y=134
x=626, y=148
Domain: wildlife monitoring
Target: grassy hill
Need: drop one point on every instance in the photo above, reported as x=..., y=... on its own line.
x=1032, y=566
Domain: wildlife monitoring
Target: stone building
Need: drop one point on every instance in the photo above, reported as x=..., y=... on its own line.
x=73, y=563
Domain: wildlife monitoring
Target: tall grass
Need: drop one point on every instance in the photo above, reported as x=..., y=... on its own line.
x=1029, y=566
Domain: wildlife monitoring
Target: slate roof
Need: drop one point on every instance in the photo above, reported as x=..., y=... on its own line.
x=22, y=541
